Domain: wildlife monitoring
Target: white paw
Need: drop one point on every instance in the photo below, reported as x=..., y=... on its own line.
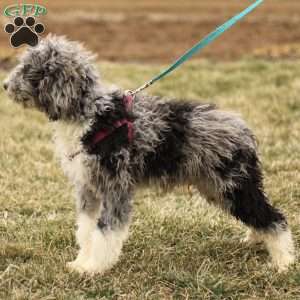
x=281, y=248
x=86, y=268
x=102, y=254
x=284, y=262
x=252, y=238
x=73, y=265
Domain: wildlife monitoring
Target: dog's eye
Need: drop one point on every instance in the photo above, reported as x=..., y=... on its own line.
x=34, y=77
x=34, y=83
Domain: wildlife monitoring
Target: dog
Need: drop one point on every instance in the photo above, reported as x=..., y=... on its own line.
x=109, y=146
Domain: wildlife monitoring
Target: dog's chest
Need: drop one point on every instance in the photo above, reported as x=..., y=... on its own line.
x=67, y=141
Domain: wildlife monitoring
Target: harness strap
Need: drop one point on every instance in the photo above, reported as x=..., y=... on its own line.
x=103, y=133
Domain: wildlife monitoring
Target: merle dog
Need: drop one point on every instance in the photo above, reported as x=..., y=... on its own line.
x=108, y=148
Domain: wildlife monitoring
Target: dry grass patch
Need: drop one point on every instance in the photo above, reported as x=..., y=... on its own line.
x=179, y=248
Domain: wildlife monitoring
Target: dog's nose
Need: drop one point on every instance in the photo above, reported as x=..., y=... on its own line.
x=5, y=85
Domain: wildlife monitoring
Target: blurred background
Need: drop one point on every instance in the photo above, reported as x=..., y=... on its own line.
x=160, y=30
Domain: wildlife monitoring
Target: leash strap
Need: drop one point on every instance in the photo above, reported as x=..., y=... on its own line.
x=199, y=46
x=128, y=97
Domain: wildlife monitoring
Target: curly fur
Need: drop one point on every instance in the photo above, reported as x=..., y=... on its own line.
x=175, y=142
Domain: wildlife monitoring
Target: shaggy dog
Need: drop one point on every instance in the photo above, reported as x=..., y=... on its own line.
x=108, y=148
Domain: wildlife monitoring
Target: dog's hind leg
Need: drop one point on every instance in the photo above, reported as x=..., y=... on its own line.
x=266, y=224
x=249, y=204
x=237, y=187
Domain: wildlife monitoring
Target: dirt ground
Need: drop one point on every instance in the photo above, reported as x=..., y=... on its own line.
x=161, y=30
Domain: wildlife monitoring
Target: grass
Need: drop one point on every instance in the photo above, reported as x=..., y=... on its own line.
x=179, y=248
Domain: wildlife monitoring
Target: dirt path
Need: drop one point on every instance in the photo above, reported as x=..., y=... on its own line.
x=159, y=30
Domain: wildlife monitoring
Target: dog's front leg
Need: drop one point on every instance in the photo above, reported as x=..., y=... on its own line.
x=103, y=237
x=88, y=205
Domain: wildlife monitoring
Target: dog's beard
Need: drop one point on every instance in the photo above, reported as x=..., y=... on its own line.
x=27, y=103
x=21, y=97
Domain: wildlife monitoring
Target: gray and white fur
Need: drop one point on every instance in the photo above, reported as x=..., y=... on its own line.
x=175, y=142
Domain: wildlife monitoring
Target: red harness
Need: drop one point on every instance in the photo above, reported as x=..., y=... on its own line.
x=103, y=133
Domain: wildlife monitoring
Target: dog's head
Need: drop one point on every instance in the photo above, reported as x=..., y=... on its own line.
x=55, y=77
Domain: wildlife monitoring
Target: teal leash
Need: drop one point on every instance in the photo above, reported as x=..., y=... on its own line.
x=199, y=46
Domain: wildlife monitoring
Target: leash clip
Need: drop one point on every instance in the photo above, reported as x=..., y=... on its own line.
x=128, y=100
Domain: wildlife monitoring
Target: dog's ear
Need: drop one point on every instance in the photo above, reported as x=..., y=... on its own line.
x=44, y=98
x=68, y=80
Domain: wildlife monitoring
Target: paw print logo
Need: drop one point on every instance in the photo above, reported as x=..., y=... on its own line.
x=24, y=32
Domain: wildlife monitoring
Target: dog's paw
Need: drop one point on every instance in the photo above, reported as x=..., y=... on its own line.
x=77, y=267
x=252, y=238
x=73, y=266
x=284, y=263
x=86, y=268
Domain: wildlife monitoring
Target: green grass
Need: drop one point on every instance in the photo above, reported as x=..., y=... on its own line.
x=179, y=248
